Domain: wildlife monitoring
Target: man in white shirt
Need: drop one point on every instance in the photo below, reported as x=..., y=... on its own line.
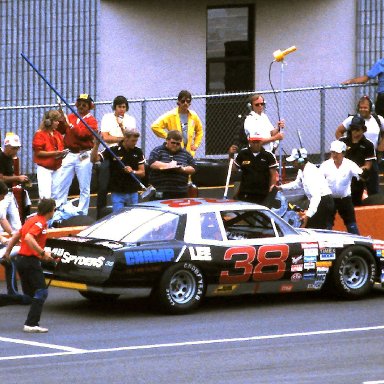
x=258, y=123
x=113, y=125
x=339, y=172
x=310, y=178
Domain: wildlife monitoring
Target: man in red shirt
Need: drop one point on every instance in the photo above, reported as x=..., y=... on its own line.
x=79, y=141
x=32, y=236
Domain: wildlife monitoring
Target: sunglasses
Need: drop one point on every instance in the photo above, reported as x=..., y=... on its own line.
x=259, y=104
x=188, y=101
x=175, y=142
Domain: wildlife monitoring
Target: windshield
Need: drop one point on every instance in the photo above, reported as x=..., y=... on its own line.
x=136, y=224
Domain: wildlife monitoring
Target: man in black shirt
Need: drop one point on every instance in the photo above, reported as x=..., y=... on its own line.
x=258, y=168
x=124, y=188
x=361, y=151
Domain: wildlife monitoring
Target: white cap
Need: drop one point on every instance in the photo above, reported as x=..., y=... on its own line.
x=338, y=146
x=12, y=140
x=297, y=153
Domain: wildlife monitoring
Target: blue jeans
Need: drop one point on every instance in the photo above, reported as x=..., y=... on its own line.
x=121, y=200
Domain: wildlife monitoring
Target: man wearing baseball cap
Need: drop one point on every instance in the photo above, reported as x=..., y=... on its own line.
x=361, y=151
x=339, y=173
x=258, y=168
x=309, y=177
x=79, y=141
x=12, y=145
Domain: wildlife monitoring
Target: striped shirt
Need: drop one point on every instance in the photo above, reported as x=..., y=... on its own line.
x=170, y=180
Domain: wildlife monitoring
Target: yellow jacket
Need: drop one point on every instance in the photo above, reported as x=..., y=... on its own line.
x=171, y=121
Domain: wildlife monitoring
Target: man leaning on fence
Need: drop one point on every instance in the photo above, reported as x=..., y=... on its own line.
x=79, y=140
x=258, y=123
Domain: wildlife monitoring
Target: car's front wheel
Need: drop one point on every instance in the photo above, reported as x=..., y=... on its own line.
x=180, y=290
x=353, y=273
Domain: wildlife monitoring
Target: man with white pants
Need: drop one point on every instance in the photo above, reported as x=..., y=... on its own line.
x=79, y=141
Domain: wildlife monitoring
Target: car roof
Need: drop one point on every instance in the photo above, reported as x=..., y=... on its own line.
x=183, y=206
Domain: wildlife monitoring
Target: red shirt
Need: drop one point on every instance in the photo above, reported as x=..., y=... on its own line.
x=37, y=227
x=77, y=136
x=45, y=141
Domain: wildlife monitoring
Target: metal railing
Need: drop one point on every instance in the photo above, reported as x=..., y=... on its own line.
x=314, y=111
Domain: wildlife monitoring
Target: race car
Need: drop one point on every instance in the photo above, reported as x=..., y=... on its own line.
x=186, y=249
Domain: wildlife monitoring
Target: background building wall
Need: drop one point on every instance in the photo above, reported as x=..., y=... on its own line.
x=151, y=48
x=147, y=49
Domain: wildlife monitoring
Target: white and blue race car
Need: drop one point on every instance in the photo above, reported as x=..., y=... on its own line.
x=184, y=250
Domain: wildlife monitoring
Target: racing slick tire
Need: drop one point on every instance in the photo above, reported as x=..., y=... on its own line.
x=353, y=273
x=101, y=298
x=180, y=290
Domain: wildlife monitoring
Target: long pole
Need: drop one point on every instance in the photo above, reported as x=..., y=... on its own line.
x=281, y=114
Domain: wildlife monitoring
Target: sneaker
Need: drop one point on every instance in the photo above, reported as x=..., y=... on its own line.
x=34, y=329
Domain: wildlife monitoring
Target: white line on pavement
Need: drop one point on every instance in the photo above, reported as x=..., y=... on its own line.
x=75, y=351
x=37, y=344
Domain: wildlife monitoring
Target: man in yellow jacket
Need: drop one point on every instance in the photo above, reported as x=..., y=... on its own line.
x=181, y=119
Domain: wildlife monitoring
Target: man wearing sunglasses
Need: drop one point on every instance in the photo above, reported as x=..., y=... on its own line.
x=170, y=167
x=181, y=119
x=258, y=123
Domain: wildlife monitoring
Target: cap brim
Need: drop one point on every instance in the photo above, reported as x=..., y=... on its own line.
x=290, y=159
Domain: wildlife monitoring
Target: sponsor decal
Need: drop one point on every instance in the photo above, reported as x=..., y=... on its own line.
x=95, y=262
x=380, y=253
x=296, y=276
x=311, y=252
x=322, y=269
x=200, y=253
x=335, y=243
x=315, y=285
x=309, y=275
x=310, y=259
x=324, y=264
x=296, y=267
x=327, y=256
x=149, y=256
x=308, y=266
x=308, y=245
x=296, y=259
x=225, y=288
x=67, y=258
x=286, y=288
x=378, y=246
x=321, y=277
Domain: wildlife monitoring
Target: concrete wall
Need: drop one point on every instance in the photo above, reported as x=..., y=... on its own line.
x=151, y=48
x=155, y=48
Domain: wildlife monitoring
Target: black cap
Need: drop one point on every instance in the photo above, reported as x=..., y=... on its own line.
x=357, y=122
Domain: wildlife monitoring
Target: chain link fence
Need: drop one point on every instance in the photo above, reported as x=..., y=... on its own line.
x=315, y=112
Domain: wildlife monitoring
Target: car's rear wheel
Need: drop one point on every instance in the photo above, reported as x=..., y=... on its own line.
x=353, y=273
x=97, y=297
x=180, y=290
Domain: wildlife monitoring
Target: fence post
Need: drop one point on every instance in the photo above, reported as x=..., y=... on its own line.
x=322, y=124
x=143, y=124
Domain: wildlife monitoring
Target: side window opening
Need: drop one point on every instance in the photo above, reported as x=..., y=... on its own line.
x=249, y=225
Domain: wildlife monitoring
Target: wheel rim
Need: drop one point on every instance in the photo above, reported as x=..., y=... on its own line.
x=355, y=272
x=182, y=287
